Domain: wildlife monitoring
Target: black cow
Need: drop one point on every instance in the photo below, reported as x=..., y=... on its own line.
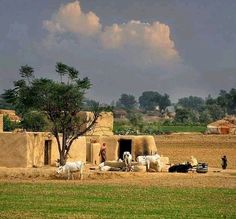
x=180, y=168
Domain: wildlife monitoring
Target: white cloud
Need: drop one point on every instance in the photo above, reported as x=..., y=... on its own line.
x=136, y=43
x=70, y=18
x=153, y=38
x=151, y=42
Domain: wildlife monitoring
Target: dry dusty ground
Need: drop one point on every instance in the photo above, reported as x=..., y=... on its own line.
x=215, y=178
x=206, y=148
x=178, y=147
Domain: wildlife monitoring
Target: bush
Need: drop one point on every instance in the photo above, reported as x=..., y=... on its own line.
x=9, y=125
x=35, y=121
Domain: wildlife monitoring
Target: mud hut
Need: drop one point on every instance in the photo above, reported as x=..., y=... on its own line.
x=223, y=126
x=35, y=149
x=103, y=126
x=118, y=144
x=30, y=149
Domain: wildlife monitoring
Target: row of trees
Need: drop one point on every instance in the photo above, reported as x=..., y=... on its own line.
x=190, y=109
x=193, y=112
x=55, y=104
x=197, y=109
x=148, y=101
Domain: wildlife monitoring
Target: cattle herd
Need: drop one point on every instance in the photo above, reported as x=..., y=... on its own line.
x=78, y=166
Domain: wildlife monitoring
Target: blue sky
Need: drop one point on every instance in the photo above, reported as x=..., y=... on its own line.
x=181, y=48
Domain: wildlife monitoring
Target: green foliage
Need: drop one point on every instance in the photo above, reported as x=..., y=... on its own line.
x=61, y=69
x=156, y=128
x=4, y=104
x=127, y=101
x=224, y=103
x=136, y=120
x=9, y=125
x=216, y=112
x=48, y=200
x=35, y=121
x=146, y=100
x=205, y=117
x=163, y=101
x=186, y=116
x=149, y=100
x=191, y=102
x=182, y=128
x=227, y=100
x=26, y=72
x=124, y=128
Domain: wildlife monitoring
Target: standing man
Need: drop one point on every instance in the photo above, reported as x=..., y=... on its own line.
x=224, y=162
x=102, y=152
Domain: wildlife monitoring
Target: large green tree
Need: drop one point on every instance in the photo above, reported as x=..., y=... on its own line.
x=60, y=101
x=127, y=101
x=186, y=116
x=192, y=102
x=227, y=101
x=149, y=100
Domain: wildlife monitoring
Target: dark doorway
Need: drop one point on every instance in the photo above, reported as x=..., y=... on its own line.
x=47, y=152
x=124, y=145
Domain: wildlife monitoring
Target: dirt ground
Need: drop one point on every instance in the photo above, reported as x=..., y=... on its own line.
x=178, y=147
x=206, y=148
x=215, y=178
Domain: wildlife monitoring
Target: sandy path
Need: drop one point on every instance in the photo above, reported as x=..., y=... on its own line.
x=215, y=178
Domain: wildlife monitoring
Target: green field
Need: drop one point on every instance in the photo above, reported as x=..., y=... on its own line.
x=155, y=128
x=182, y=128
x=60, y=200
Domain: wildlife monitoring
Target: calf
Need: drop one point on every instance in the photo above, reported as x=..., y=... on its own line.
x=127, y=157
x=71, y=167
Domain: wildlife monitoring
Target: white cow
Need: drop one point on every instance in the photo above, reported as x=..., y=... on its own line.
x=146, y=160
x=71, y=167
x=127, y=157
x=102, y=167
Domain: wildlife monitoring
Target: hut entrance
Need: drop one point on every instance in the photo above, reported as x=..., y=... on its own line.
x=47, y=152
x=124, y=145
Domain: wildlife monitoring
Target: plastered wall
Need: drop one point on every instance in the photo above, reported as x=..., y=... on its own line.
x=78, y=150
x=140, y=145
x=103, y=126
x=13, y=149
x=36, y=145
x=26, y=149
x=35, y=148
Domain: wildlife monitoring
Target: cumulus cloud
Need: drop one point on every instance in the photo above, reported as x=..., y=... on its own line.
x=70, y=18
x=144, y=51
x=153, y=38
x=143, y=43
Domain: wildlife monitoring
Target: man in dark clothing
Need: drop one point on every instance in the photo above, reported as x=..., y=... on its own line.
x=224, y=162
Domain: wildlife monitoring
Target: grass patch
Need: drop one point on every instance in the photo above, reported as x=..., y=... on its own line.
x=27, y=200
x=182, y=128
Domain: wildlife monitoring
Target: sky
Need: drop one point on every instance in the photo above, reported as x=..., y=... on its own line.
x=178, y=47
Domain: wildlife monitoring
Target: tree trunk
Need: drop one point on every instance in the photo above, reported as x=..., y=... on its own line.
x=62, y=158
